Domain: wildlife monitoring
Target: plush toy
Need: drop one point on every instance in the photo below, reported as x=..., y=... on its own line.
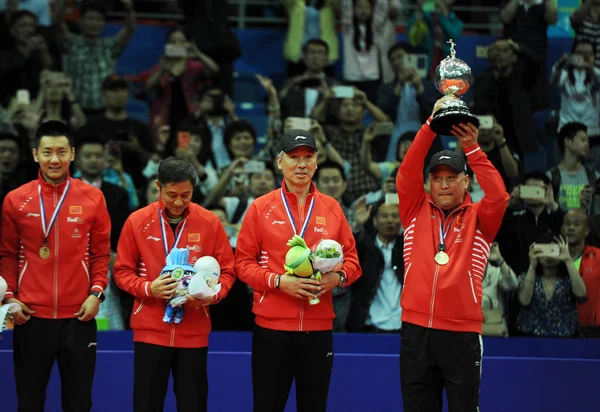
x=8, y=311
x=179, y=269
x=205, y=284
x=298, y=258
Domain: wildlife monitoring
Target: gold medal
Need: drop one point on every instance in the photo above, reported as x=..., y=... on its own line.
x=441, y=258
x=44, y=252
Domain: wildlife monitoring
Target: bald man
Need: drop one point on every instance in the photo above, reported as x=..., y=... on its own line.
x=586, y=258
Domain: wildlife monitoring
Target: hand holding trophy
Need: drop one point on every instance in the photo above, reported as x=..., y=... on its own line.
x=452, y=77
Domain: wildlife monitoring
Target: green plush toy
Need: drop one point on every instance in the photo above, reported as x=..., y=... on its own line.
x=298, y=260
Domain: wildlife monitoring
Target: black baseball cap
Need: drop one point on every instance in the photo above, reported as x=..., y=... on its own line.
x=296, y=138
x=449, y=158
x=114, y=82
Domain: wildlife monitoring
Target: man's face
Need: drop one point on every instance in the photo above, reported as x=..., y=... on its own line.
x=116, y=99
x=575, y=226
x=176, y=197
x=298, y=166
x=363, y=10
x=54, y=155
x=23, y=28
x=315, y=57
x=9, y=156
x=501, y=55
x=92, y=24
x=91, y=159
x=351, y=111
x=397, y=61
x=261, y=183
x=447, y=187
x=55, y=90
x=579, y=145
x=332, y=183
x=586, y=51
x=242, y=145
x=387, y=220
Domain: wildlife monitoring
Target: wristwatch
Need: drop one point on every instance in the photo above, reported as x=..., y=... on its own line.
x=100, y=295
x=343, y=280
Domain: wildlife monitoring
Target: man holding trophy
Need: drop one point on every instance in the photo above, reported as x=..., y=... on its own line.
x=441, y=300
x=284, y=236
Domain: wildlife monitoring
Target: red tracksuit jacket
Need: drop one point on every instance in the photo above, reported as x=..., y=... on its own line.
x=141, y=258
x=446, y=297
x=79, y=244
x=260, y=256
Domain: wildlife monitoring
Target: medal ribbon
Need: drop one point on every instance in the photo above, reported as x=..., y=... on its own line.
x=442, y=245
x=48, y=228
x=164, y=235
x=290, y=217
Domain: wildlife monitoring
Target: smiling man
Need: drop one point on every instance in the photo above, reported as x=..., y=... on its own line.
x=54, y=256
x=447, y=240
x=147, y=238
x=292, y=339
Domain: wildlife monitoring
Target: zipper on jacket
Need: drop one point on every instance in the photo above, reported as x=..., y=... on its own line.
x=431, y=306
x=172, y=343
x=138, y=308
x=472, y=287
x=301, y=315
x=55, y=309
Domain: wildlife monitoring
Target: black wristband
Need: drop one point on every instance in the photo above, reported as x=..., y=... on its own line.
x=277, y=281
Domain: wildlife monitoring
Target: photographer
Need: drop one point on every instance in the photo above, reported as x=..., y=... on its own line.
x=177, y=79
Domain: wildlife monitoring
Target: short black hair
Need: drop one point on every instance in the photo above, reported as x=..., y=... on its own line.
x=175, y=170
x=400, y=46
x=568, y=131
x=19, y=15
x=90, y=5
x=580, y=41
x=10, y=136
x=537, y=175
x=329, y=165
x=53, y=128
x=316, y=42
x=82, y=140
x=238, y=126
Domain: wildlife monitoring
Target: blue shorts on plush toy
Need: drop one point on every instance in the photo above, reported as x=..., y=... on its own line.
x=179, y=269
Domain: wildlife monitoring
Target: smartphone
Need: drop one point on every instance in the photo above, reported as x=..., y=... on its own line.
x=23, y=97
x=303, y=123
x=391, y=198
x=311, y=83
x=175, y=50
x=486, y=122
x=548, y=249
x=417, y=62
x=254, y=166
x=532, y=192
x=343, y=92
x=383, y=128
x=183, y=140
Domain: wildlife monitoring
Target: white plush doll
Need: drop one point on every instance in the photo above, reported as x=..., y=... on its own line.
x=8, y=311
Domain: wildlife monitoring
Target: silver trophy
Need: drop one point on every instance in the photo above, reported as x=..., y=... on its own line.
x=452, y=76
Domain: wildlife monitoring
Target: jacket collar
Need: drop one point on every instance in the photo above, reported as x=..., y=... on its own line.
x=50, y=187
x=291, y=196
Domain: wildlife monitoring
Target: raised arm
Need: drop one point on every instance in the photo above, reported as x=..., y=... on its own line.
x=124, y=35
x=550, y=12
x=581, y=13
x=509, y=11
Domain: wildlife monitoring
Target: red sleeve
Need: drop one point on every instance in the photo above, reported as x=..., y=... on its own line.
x=9, y=247
x=126, y=265
x=491, y=208
x=224, y=255
x=247, y=255
x=100, y=247
x=351, y=267
x=409, y=181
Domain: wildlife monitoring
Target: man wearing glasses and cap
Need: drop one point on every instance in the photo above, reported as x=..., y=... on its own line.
x=447, y=241
x=292, y=339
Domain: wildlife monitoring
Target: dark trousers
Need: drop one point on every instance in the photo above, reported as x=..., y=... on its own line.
x=279, y=357
x=40, y=342
x=432, y=360
x=152, y=366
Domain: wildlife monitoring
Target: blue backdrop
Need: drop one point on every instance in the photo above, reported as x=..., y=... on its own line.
x=546, y=375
